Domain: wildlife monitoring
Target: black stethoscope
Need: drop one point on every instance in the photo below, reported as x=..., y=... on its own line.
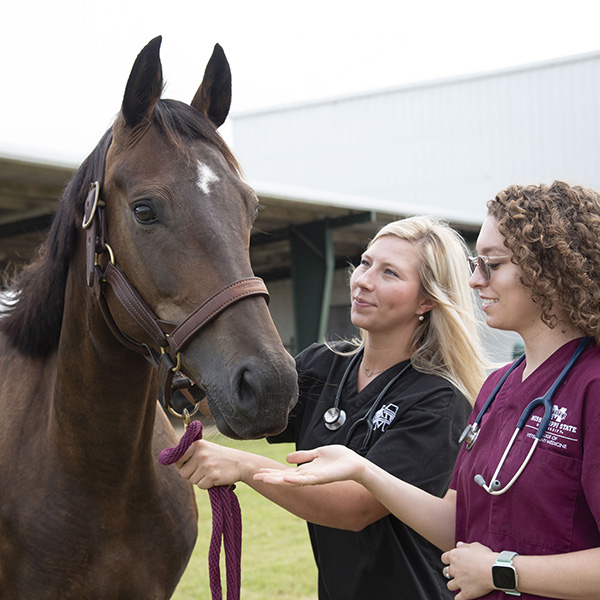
x=335, y=417
x=469, y=435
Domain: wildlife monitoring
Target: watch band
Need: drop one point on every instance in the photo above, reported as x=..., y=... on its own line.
x=506, y=557
x=503, y=571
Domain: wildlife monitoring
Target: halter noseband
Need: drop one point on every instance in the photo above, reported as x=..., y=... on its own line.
x=169, y=337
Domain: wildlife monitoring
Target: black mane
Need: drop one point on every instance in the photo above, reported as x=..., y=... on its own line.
x=33, y=323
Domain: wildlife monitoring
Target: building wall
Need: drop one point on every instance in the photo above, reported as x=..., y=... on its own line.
x=439, y=145
x=448, y=143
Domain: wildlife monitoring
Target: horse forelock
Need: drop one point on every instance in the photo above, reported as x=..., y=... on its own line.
x=181, y=123
x=33, y=323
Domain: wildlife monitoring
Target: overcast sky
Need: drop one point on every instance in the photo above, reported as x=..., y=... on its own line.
x=65, y=63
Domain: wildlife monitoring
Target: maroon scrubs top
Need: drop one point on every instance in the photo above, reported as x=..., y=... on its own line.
x=554, y=506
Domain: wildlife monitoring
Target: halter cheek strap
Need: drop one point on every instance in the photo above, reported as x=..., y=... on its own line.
x=170, y=338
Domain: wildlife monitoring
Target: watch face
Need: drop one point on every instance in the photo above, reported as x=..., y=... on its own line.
x=504, y=577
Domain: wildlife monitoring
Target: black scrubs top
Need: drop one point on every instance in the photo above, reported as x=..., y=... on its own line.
x=415, y=432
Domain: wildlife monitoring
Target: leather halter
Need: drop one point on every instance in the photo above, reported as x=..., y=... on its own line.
x=170, y=338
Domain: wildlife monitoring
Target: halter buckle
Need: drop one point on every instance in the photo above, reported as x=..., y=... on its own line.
x=87, y=221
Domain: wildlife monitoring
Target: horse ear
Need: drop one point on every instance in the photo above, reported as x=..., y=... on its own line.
x=213, y=97
x=145, y=84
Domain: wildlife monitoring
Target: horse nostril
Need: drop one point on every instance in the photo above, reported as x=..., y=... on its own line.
x=260, y=399
x=245, y=388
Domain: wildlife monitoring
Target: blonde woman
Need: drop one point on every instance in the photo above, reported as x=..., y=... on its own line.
x=400, y=397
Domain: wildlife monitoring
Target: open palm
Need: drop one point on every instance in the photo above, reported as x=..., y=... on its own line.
x=318, y=466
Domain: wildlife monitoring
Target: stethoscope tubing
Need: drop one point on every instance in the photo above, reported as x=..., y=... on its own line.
x=335, y=417
x=368, y=418
x=472, y=431
x=469, y=435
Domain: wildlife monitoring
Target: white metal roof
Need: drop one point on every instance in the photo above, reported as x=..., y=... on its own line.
x=445, y=146
x=266, y=190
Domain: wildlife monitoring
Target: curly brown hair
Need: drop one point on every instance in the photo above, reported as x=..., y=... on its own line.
x=553, y=233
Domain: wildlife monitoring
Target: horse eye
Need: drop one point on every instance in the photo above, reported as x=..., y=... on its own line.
x=144, y=214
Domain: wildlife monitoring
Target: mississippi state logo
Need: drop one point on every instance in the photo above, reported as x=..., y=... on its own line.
x=384, y=416
x=559, y=434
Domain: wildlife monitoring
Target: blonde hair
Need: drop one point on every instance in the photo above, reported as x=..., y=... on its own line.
x=446, y=342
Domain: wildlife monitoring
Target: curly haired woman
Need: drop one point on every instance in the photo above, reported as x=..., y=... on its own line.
x=517, y=521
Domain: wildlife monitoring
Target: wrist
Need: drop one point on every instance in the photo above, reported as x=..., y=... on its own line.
x=364, y=472
x=504, y=573
x=245, y=465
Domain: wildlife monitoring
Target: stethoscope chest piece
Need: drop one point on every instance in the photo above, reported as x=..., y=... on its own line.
x=469, y=435
x=334, y=418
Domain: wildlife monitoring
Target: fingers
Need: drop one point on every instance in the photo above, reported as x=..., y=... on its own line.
x=301, y=456
x=275, y=480
x=282, y=477
x=273, y=476
x=189, y=453
x=199, y=468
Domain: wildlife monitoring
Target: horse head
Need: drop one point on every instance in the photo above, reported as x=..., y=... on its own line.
x=179, y=216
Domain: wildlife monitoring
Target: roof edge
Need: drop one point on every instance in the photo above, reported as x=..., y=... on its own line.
x=265, y=189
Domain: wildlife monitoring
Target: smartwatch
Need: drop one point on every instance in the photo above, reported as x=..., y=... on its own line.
x=504, y=573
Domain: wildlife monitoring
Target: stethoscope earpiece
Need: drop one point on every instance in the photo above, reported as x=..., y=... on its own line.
x=480, y=481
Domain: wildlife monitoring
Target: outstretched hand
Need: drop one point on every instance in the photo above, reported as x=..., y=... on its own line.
x=318, y=466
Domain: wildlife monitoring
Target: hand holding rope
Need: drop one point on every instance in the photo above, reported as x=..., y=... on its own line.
x=227, y=522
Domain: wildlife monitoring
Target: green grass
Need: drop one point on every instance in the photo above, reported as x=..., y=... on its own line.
x=277, y=561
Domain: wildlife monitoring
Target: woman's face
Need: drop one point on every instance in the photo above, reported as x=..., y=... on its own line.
x=386, y=288
x=506, y=302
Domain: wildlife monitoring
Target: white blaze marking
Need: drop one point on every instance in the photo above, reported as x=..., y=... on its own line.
x=206, y=176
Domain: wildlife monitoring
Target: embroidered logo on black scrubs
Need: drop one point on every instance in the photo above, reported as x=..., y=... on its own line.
x=384, y=416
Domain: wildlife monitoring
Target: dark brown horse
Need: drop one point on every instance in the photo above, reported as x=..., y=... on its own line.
x=86, y=511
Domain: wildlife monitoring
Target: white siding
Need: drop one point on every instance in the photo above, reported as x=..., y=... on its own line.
x=448, y=144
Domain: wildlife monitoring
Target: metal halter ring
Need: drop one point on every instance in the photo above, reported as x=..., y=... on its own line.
x=111, y=256
x=185, y=415
x=177, y=367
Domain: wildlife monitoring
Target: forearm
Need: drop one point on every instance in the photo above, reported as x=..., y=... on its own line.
x=343, y=505
x=432, y=517
x=571, y=576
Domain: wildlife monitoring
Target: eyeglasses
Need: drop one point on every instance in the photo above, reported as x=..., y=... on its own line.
x=483, y=262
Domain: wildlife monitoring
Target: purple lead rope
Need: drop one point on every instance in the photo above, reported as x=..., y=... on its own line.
x=227, y=522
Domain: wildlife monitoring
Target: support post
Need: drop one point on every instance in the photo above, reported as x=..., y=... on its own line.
x=313, y=263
